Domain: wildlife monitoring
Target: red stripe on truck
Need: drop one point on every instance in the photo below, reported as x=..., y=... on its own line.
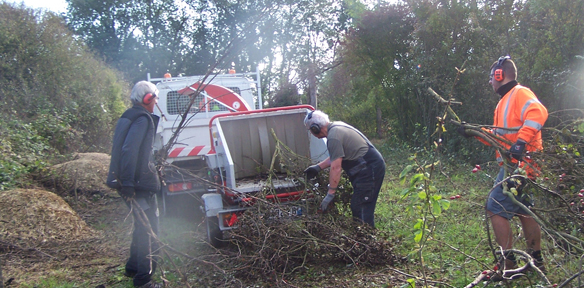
x=188, y=151
x=174, y=153
x=195, y=151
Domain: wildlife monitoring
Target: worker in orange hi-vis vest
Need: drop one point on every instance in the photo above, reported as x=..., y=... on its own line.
x=519, y=118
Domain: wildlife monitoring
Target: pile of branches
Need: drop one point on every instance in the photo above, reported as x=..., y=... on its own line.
x=269, y=243
x=559, y=191
x=274, y=240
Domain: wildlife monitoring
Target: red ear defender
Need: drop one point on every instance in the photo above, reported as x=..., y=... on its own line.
x=148, y=98
x=498, y=74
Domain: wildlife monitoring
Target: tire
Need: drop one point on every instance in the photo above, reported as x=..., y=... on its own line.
x=214, y=234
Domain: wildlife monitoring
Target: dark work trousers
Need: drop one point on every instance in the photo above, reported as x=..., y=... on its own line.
x=143, y=247
x=366, y=175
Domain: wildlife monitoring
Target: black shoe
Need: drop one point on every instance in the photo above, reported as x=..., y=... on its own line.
x=538, y=260
x=130, y=273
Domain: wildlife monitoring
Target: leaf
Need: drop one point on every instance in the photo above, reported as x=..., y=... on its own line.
x=422, y=195
x=581, y=128
x=405, y=193
x=419, y=224
x=418, y=236
x=417, y=178
x=436, y=209
x=432, y=165
x=445, y=204
x=411, y=283
x=402, y=175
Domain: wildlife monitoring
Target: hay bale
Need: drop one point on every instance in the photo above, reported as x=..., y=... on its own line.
x=33, y=217
x=86, y=173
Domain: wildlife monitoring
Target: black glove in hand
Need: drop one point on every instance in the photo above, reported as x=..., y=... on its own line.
x=128, y=192
x=326, y=201
x=517, y=183
x=312, y=171
x=516, y=150
x=461, y=131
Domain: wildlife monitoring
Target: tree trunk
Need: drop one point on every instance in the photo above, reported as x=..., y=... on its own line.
x=1, y=279
x=379, y=132
x=312, y=86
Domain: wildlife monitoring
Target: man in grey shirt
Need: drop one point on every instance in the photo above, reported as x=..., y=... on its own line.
x=351, y=151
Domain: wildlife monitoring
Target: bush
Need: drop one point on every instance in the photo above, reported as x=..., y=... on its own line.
x=57, y=98
x=50, y=79
x=22, y=152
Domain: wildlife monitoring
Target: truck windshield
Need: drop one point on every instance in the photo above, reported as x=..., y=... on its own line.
x=177, y=104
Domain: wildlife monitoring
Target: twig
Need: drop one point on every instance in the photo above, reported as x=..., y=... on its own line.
x=567, y=281
x=10, y=245
x=416, y=277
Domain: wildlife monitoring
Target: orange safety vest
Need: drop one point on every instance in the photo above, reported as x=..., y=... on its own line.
x=519, y=115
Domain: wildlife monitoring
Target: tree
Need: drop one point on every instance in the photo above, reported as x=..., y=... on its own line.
x=136, y=37
x=48, y=76
x=375, y=57
x=139, y=37
x=550, y=37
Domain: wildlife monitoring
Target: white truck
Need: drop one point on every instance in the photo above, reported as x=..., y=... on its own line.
x=228, y=139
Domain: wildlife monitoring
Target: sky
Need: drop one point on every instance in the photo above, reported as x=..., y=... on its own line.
x=56, y=6
x=59, y=6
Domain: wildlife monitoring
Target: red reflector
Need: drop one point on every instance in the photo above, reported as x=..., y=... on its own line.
x=175, y=187
x=233, y=220
x=229, y=219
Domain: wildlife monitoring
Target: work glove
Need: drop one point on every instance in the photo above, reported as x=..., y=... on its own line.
x=461, y=131
x=326, y=201
x=516, y=182
x=127, y=191
x=516, y=150
x=312, y=171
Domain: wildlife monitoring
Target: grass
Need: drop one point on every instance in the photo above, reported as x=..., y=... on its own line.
x=457, y=249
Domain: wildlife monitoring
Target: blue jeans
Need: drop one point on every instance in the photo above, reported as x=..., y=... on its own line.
x=500, y=204
x=142, y=245
x=366, y=185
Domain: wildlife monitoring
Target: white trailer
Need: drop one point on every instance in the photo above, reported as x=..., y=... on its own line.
x=228, y=138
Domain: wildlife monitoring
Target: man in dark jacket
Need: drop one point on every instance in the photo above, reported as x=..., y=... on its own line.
x=352, y=152
x=132, y=172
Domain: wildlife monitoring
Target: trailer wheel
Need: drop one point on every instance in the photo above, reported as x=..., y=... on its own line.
x=214, y=233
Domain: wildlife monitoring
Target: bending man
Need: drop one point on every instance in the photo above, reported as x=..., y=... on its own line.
x=351, y=151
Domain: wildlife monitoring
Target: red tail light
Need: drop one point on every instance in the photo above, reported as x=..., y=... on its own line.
x=176, y=187
x=229, y=220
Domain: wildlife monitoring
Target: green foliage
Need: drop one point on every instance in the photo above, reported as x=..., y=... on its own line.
x=56, y=97
x=369, y=78
x=286, y=96
x=23, y=151
x=386, y=68
x=423, y=197
x=50, y=80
